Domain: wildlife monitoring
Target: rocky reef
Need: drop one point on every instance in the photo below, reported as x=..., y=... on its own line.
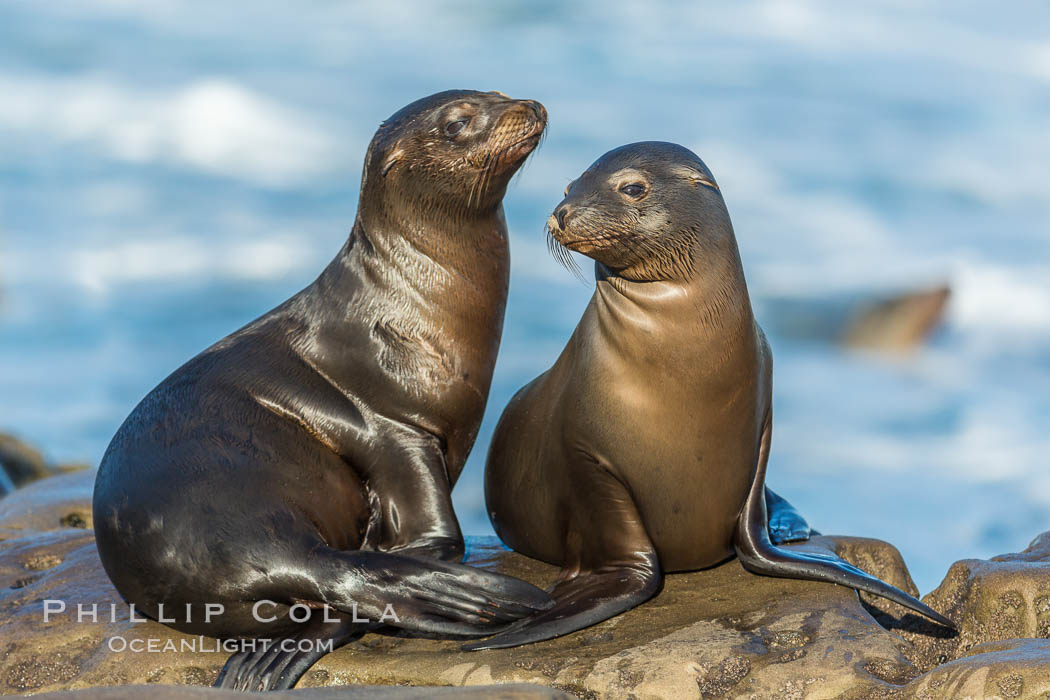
x=709, y=634
x=22, y=464
x=511, y=691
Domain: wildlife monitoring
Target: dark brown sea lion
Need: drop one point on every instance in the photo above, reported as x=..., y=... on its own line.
x=308, y=458
x=643, y=449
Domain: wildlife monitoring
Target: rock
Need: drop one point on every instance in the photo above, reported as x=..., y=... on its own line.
x=21, y=462
x=1003, y=598
x=516, y=691
x=70, y=468
x=1015, y=668
x=715, y=633
x=6, y=485
x=50, y=504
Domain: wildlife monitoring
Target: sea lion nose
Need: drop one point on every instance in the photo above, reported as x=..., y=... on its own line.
x=537, y=109
x=561, y=214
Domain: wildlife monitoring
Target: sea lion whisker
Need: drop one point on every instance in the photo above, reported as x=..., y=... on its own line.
x=478, y=189
x=563, y=255
x=489, y=166
x=666, y=361
x=475, y=188
x=486, y=175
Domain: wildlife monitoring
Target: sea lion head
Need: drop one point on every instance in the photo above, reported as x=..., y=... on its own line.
x=646, y=211
x=454, y=151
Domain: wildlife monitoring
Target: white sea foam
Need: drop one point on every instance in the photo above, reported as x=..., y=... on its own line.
x=991, y=298
x=96, y=270
x=211, y=125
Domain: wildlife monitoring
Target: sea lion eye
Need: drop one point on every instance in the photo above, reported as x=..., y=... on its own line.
x=453, y=128
x=633, y=190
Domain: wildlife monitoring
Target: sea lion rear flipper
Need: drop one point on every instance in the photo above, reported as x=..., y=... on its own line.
x=785, y=523
x=580, y=602
x=279, y=666
x=371, y=589
x=760, y=556
x=613, y=570
x=424, y=595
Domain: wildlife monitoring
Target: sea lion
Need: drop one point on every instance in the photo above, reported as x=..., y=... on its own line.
x=899, y=323
x=307, y=459
x=643, y=449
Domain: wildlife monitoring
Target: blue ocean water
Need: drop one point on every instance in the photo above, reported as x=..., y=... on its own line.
x=171, y=170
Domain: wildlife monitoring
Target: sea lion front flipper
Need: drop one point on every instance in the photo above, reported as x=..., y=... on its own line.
x=785, y=523
x=614, y=570
x=276, y=667
x=760, y=556
x=413, y=494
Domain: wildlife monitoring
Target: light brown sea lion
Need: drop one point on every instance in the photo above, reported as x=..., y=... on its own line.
x=897, y=324
x=643, y=449
x=308, y=458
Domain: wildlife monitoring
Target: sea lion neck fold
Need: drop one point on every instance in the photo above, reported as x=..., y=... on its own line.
x=714, y=290
x=430, y=227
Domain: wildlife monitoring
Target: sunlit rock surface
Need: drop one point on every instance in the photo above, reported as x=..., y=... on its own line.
x=716, y=633
x=516, y=691
x=1000, y=605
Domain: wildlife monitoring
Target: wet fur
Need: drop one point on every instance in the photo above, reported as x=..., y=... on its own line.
x=309, y=456
x=643, y=449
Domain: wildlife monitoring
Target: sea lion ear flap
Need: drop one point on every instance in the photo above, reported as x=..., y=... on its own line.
x=395, y=155
x=697, y=177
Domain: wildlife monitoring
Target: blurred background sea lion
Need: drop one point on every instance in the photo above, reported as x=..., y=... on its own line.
x=894, y=323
